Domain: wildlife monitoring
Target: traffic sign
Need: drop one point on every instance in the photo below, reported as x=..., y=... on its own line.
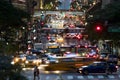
x=114, y=29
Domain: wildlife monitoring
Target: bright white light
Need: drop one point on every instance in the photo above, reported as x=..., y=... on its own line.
x=34, y=38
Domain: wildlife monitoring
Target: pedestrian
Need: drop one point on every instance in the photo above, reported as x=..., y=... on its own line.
x=36, y=72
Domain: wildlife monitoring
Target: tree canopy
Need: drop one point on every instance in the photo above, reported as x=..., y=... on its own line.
x=10, y=15
x=107, y=16
x=51, y=4
x=12, y=19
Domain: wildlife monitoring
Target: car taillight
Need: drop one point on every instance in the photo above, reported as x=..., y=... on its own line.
x=87, y=55
x=116, y=67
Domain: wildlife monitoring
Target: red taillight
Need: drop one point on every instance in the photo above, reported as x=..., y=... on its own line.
x=87, y=55
x=94, y=56
x=116, y=67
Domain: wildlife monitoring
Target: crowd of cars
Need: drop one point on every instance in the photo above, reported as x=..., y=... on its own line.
x=30, y=60
x=26, y=60
x=104, y=63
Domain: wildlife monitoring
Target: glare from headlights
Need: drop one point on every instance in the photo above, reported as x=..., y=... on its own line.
x=23, y=59
x=47, y=62
x=26, y=62
x=34, y=61
x=12, y=62
x=40, y=61
x=16, y=60
x=57, y=61
x=80, y=68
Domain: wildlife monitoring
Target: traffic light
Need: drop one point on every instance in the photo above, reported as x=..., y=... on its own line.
x=41, y=23
x=98, y=28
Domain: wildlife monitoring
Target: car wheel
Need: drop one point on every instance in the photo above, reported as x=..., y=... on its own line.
x=85, y=72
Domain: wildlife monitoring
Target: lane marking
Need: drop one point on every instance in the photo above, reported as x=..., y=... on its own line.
x=29, y=77
x=119, y=76
x=48, y=78
x=58, y=78
x=90, y=77
x=111, y=76
x=69, y=77
x=80, y=77
x=100, y=76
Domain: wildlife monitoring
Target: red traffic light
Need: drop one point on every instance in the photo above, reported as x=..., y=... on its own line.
x=41, y=23
x=98, y=28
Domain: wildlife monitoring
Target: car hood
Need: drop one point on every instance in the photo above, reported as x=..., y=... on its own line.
x=84, y=66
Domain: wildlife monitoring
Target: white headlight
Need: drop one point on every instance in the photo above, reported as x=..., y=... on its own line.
x=26, y=61
x=57, y=61
x=47, y=62
x=34, y=61
x=12, y=62
x=80, y=68
x=16, y=60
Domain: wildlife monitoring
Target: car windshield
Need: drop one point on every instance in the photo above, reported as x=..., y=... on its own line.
x=31, y=57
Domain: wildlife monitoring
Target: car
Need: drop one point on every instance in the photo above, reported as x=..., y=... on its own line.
x=19, y=59
x=103, y=56
x=51, y=60
x=112, y=58
x=32, y=60
x=89, y=55
x=98, y=67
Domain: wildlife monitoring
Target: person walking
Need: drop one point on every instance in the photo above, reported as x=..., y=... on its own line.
x=36, y=72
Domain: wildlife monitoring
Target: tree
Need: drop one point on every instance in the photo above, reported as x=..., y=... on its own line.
x=12, y=19
x=107, y=16
x=51, y=4
x=7, y=70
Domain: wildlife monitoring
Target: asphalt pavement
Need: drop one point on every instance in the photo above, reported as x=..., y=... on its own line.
x=61, y=75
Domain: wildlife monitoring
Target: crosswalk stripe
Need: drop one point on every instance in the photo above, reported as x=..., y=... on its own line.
x=111, y=76
x=100, y=76
x=119, y=76
x=48, y=77
x=69, y=77
x=30, y=77
x=90, y=77
x=80, y=77
x=58, y=78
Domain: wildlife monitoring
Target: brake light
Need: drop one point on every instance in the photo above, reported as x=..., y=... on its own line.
x=94, y=56
x=116, y=67
x=87, y=55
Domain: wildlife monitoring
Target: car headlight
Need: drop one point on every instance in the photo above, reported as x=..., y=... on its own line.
x=12, y=62
x=34, y=61
x=47, y=62
x=80, y=69
x=40, y=60
x=23, y=59
x=16, y=60
x=26, y=62
x=57, y=61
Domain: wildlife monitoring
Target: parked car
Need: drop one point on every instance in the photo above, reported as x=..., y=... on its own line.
x=98, y=67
